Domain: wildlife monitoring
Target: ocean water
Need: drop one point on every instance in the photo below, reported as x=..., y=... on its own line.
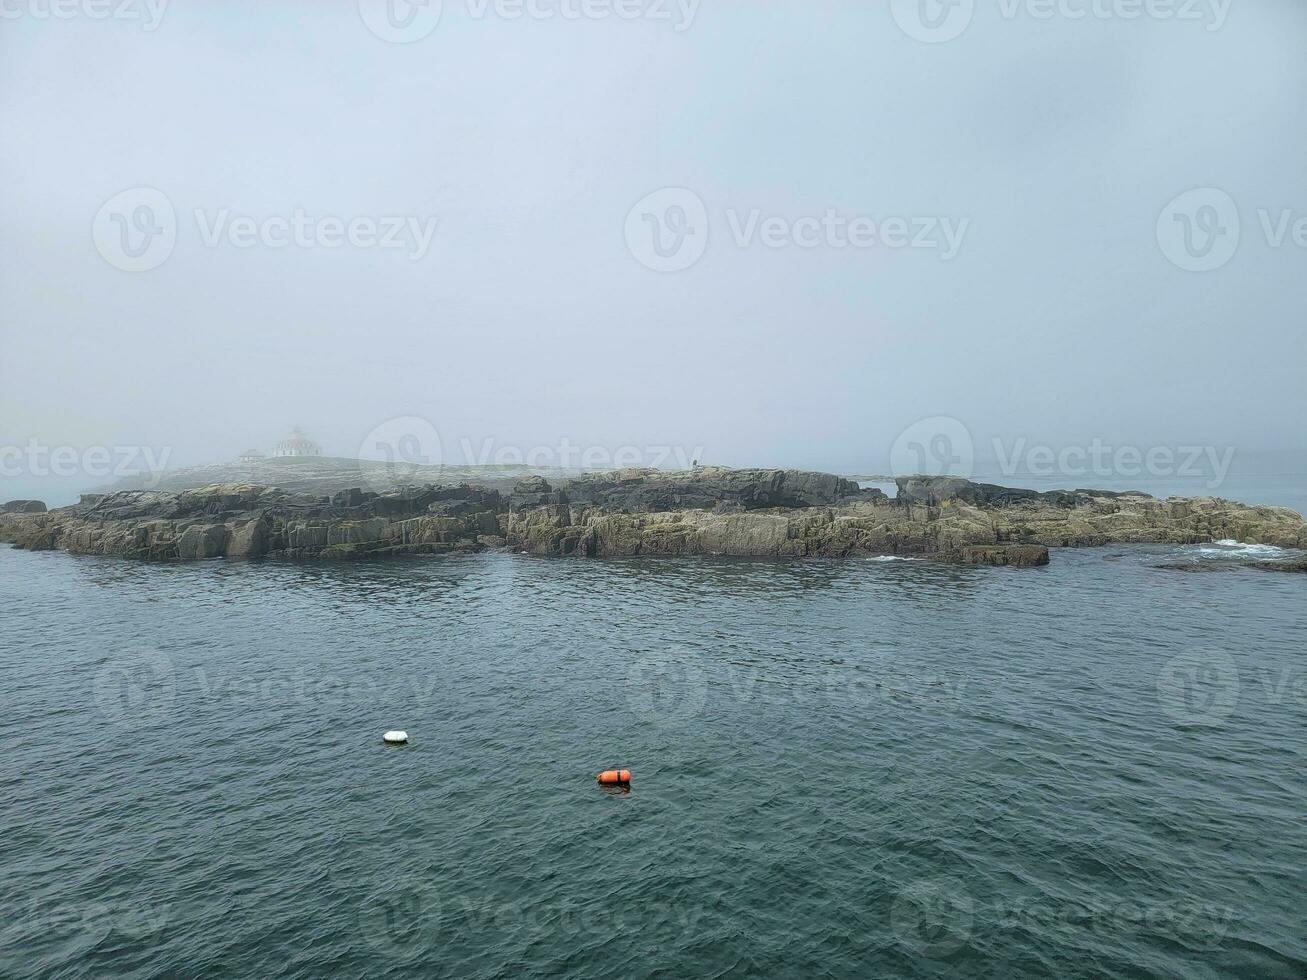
x=840, y=769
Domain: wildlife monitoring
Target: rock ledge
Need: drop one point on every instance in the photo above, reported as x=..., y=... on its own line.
x=708, y=511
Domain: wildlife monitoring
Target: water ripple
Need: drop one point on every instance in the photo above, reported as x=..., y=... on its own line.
x=842, y=769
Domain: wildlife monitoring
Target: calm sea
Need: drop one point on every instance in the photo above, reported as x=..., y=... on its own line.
x=841, y=769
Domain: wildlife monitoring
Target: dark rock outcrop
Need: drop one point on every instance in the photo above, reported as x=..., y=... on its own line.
x=23, y=507
x=1299, y=566
x=937, y=490
x=203, y=541
x=647, y=491
x=769, y=513
x=1019, y=555
x=532, y=484
x=1196, y=566
x=241, y=521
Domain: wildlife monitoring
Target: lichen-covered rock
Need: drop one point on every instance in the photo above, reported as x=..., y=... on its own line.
x=1020, y=555
x=532, y=484
x=749, y=534
x=203, y=541
x=249, y=539
x=357, y=532
x=23, y=507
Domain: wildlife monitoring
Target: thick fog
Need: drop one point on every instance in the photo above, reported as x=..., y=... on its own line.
x=787, y=233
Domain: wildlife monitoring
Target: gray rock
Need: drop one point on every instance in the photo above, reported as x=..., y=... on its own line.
x=249, y=540
x=1280, y=566
x=1019, y=555
x=23, y=507
x=357, y=532
x=202, y=541
x=451, y=508
x=935, y=490
x=353, y=497
x=532, y=484
x=304, y=536
x=709, y=488
x=775, y=513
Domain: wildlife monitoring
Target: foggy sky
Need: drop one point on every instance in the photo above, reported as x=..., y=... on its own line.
x=1060, y=141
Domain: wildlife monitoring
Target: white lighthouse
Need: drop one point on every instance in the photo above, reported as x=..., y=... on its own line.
x=297, y=445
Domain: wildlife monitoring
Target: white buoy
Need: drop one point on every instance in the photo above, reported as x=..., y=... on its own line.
x=395, y=738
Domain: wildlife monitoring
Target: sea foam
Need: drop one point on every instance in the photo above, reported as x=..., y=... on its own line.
x=1229, y=548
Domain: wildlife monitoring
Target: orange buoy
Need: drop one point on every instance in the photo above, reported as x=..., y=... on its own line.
x=614, y=777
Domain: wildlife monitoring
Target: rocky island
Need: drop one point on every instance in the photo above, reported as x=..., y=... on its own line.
x=706, y=511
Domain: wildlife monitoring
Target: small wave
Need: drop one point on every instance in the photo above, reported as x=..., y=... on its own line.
x=1229, y=548
x=892, y=558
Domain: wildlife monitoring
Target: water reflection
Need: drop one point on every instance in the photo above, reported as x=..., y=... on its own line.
x=413, y=581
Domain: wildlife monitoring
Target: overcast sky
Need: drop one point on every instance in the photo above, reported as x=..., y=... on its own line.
x=1016, y=267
